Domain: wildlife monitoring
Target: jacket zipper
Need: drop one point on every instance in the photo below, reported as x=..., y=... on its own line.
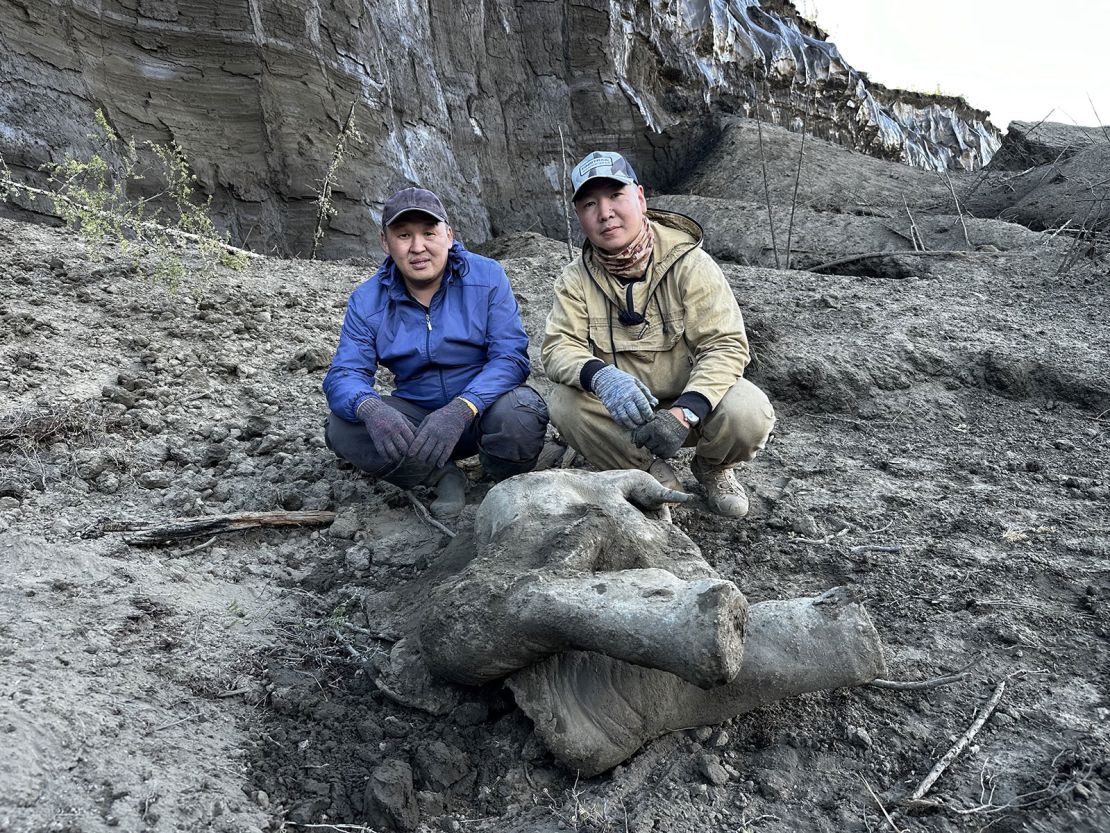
x=428, y=348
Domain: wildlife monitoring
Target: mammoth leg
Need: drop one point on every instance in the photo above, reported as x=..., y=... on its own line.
x=594, y=712
x=694, y=629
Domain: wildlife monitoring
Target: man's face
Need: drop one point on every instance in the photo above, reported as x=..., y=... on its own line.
x=418, y=244
x=611, y=213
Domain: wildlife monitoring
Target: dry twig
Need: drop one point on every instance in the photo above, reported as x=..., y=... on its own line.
x=915, y=233
x=324, y=207
x=566, y=202
x=198, y=547
x=797, y=180
x=956, y=202
x=766, y=184
x=426, y=516
x=886, y=815
x=921, y=685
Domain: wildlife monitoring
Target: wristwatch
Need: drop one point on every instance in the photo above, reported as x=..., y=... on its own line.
x=691, y=417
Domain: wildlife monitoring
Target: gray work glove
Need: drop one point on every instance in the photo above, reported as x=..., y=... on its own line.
x=628, y=400
x=439, y=433
x=389, y=431
x=663, y=436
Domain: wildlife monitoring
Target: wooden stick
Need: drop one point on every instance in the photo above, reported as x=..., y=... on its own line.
x=962, y=743
x=181, y=529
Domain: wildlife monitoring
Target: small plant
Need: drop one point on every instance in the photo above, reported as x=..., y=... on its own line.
x=324, y=208
x=93, y=196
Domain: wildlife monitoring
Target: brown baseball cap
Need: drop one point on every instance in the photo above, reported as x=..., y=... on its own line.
x=413, y=199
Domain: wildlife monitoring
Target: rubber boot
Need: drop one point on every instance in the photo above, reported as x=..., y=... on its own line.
x=450, y=492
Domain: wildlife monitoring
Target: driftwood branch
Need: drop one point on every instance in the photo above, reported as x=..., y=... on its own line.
x=909, y=253
x=961, y=744
x=181, y=529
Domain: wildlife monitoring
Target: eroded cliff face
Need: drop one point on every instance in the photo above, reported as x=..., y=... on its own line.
x=466, y=99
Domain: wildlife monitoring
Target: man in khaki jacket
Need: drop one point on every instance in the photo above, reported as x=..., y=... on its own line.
x=645, y=318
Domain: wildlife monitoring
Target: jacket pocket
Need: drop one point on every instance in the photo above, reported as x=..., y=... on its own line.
x=638, y=340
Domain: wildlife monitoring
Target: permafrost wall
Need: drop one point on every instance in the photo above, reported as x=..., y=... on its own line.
x=467, y=99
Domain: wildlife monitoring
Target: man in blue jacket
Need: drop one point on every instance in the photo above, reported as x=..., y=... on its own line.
x=445, y=322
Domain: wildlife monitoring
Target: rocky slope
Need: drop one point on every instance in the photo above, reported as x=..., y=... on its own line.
x=467, y=100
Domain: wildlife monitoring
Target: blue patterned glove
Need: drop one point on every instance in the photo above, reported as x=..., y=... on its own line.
x=389, y=431
x=439, y=433
x=628, y=400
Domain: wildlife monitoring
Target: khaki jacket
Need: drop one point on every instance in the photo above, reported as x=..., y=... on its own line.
x=692, y=340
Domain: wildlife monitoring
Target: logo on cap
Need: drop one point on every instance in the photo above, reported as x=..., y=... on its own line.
x=602, y=164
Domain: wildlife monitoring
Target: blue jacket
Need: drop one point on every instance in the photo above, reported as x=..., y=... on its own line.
x=469, y=342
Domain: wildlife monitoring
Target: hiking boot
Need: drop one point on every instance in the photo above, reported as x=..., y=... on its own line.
x=661, y=470
x=723, y=494
x=450, y=492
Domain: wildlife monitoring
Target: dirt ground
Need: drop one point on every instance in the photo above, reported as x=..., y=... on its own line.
x=943, y=449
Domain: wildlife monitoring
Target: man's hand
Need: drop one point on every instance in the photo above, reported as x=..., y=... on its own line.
x=628, y=400
x=389, y=431
x=663, y=436
x=439, y=433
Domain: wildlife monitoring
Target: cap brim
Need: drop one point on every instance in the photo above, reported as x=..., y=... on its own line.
x=623, y=180
x=386, y=223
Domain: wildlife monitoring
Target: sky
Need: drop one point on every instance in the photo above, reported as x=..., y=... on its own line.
x=1017, y=59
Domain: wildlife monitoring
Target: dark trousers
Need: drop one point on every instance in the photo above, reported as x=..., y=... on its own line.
x=507, y=438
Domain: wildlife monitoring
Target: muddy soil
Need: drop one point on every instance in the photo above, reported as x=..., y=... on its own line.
x=943, y=449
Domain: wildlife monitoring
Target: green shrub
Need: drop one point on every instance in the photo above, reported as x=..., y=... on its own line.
x=94, y=197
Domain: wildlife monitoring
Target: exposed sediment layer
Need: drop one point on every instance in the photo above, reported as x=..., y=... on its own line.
x=483, y=104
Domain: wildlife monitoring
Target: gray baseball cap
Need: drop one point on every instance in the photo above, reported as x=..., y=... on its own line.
x=413, y=199
x=602, y=164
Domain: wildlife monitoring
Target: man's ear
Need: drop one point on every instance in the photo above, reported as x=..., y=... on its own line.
x=642, y=198
x=450, y=235
x=381, y=238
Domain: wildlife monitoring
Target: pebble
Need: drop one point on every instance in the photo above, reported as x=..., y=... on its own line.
x=710, y=768
x=860, y=737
